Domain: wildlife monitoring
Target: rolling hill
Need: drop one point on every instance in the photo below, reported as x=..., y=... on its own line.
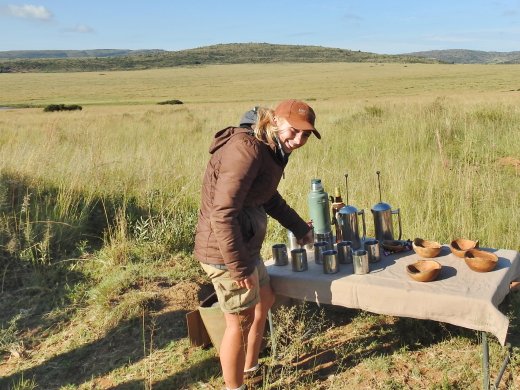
x=32, y=54
x=233, y=53
x=230, y=53
x=461, y=56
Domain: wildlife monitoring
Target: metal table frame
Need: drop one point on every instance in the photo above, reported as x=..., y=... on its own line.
x=486, y=382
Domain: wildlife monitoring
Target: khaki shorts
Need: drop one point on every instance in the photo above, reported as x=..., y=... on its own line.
x=233, y=299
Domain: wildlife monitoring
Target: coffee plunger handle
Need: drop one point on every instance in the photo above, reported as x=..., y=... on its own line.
x=379, y=185
x=346, y=186
x=362, y=212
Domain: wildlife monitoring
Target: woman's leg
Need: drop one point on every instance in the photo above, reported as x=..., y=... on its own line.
x=256, y=332
x=233, y=347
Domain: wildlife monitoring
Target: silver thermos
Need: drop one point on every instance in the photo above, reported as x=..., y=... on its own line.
x=382, y=213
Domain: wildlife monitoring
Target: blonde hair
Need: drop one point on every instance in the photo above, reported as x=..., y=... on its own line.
x=265, y=128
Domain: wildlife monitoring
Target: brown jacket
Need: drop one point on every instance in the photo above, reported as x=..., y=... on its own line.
x=241, y=178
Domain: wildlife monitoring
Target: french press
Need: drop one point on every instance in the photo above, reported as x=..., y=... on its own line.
x=382, y=213
x=347, y=217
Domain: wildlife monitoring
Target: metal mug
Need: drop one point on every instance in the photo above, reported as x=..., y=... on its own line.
x=360, y=259
x=326, y=237
x=292, y=241
x=299, y=259
x=344, y=249
x=330, y=262
x=372, y=248
x=280, y=254
x=319, y=248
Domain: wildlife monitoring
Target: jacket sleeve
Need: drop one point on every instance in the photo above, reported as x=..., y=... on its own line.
x=239, y=167
x=278, y=208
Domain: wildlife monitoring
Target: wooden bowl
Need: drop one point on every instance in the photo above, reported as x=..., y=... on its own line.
x=425, y=248
x=459, y=246
x=393, y=245
x=480, y=261
x=424, y=270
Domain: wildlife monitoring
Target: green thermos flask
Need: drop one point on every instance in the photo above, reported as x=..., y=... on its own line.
x=318, y=201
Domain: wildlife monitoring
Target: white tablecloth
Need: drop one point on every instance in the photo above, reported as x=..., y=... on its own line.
x=459, y=296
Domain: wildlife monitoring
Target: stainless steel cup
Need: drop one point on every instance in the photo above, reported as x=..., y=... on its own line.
x=372, y=248
x=299, y=259
x=360, y=260
x=330, y=262
x=292, y=242
x=319, y=248
x=344, y=249
x=325, y=237
x=280, y=254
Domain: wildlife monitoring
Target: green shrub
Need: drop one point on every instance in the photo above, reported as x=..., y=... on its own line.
x=62, y=107
x=174, y=101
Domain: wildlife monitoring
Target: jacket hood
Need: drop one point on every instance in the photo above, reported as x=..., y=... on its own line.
x=224, y=135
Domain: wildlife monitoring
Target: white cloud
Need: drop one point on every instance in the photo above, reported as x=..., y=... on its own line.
x=28, y=11
x=81, y=28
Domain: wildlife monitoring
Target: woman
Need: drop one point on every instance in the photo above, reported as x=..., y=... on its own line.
x=239, y=188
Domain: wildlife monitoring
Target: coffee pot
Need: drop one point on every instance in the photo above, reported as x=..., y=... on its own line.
x=382, y=213
x=347, y=218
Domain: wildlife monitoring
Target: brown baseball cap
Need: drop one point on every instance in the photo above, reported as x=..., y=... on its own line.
x=299, y=115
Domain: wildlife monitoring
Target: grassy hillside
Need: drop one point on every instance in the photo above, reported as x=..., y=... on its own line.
x=235, y=53
x=98, y=208
x=20, y=54
x=460, y=56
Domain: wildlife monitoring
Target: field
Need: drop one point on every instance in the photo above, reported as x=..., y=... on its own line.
x=98, y=210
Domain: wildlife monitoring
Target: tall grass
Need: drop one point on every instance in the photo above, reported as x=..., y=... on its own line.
x=114, y=174
x=440, y=162
x=121, y=179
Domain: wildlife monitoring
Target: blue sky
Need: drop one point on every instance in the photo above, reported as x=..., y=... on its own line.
x=385, y=27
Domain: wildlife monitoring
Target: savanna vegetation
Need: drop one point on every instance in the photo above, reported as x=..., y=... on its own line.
x=460, y=56
x=98, y=210
x=231, y=53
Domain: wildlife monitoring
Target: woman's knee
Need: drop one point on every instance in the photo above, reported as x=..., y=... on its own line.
x=267, y=294
x=240, y=321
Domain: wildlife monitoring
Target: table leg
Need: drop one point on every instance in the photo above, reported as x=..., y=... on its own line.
x=271, y=330
x=485, y=361
x=504, y=365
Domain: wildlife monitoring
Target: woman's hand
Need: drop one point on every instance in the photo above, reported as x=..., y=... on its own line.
x=307, y=239
x=248, y=282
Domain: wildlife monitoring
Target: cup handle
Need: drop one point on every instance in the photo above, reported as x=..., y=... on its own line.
x=398, y=212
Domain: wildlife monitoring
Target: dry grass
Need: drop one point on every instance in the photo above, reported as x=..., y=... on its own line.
x=111, y=315
x=264, y=83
